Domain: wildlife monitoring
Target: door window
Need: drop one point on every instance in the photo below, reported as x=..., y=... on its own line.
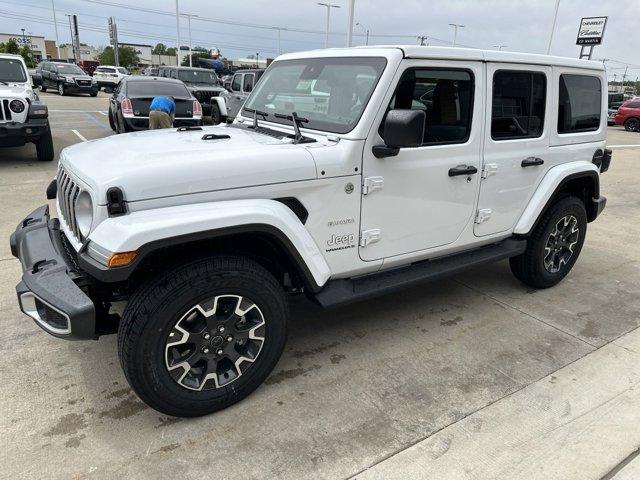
x=580, y=103
x=446, y=97
x=247, y=84
x=518, y=104
x=236, y=83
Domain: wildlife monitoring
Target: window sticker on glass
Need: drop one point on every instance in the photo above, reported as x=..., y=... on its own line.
x=303, y=85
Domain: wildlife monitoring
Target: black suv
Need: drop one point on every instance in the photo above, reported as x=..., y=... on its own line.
x=65, y=78
x=203, y=83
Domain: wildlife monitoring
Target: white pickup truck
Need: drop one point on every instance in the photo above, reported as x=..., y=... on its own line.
x=347, y=174
x=23, y=117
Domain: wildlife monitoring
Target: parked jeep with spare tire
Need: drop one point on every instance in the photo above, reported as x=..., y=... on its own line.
x=347, y=174
x=23, y=117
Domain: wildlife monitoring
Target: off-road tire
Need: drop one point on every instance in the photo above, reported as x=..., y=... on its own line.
x=151, y=315
x=216, y=116
x=632, y=124
x=44, y=147
x=529, y=267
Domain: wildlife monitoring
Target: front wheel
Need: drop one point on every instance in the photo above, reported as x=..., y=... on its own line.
x=44, y=147
x=203, y=336
x=554, y=245
x=61, y=89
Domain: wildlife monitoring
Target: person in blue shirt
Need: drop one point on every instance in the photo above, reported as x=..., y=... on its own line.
x=161, y=113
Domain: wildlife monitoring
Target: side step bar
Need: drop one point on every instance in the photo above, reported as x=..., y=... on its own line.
x=343, y=291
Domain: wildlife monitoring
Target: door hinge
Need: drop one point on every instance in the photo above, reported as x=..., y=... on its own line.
x=372, y=183
x=483, y=215
x=369, y=236
x=489, y=169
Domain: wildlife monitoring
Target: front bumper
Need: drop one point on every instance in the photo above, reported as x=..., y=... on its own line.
x=75, y=88
x=598, y=205
x=14, y=134
x=49, y=291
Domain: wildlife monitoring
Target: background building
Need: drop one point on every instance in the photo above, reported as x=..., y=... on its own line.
x=143, y=51
x=36, y=43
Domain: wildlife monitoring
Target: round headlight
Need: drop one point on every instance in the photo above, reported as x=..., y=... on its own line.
x=84, y=213
x=16, y=106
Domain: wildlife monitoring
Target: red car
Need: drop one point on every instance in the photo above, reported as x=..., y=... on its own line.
x=629, y=115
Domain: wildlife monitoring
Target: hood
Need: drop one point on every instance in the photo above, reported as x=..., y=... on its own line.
x=203, y=87
x=162, y=163
x=16, y=90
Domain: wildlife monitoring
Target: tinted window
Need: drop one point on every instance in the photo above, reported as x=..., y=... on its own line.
x=235, y=85
x=518, y=105
x=247, y=84
x=580, y=103
x=198, y=76
x=632, y=105
x=12, y=71
x=446, y=97
x=69, y=69
x=106, y=70
x=154, y=88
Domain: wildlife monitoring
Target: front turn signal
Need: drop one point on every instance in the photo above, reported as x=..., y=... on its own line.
x=121, y=259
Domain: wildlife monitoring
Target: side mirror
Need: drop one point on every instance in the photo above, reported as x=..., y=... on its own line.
x=402, y=129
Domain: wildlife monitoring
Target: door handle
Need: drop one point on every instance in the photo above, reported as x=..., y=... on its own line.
x=462, y=170
x=531, y=162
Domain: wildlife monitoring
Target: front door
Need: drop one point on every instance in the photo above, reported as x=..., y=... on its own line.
x=516, y=151
x=236, y=99
x=423, y=201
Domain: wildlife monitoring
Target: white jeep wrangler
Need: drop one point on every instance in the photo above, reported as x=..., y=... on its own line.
x=348, y=173
x=23, y=117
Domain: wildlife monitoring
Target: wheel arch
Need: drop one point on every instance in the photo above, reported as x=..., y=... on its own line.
x=582, y=181
x=267, y=231
x=222, y=105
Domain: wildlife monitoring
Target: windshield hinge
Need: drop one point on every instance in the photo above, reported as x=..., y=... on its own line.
x=483, y=215
x=368, y=237
x=372, y=183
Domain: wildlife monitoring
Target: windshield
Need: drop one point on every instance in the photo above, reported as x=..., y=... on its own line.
x=154, y=88
x=331, y=93
x=69, y=69
x=12, y=71
x=198, y=76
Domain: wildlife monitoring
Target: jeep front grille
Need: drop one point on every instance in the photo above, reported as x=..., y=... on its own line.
x=5, y=111
x=68, y=191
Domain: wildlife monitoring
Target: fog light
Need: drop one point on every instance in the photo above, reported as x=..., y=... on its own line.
x=29, y=131
x=121, y=259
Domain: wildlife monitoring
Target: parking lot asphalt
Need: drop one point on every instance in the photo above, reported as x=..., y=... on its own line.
x=473, y=377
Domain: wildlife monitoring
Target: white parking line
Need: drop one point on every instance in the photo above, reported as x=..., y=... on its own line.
x=79, y=135
x=77, y=111
x=103, y=113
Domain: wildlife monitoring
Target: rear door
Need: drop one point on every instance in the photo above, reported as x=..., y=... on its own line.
x=516, y=146
x=236, y=99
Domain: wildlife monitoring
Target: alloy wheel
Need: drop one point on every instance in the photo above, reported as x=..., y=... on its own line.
x=632, y=125
x=559, y=247
x=215, y=342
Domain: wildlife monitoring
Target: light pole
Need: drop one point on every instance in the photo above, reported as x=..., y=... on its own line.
x=366, y=31
x=455, y=32
x=257, y=60
x=189, y=15
x=553, y=26
x=500, y=47
x=423, y=39
x=55, y=26
x=279, y=29
x=329, y=7
x=178, y=32
x=73, y=44
x=352, y=7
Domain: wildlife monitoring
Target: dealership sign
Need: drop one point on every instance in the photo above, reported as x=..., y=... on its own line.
x=591, y=30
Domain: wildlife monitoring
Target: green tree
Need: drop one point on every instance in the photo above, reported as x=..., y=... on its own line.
x=27, y=55
x=170, y=52
x=128, y=56
x=159, y=49
x=195, y=55
x=10, y=47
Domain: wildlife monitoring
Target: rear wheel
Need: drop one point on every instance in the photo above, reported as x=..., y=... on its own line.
x=43, y=87
x=111, y=122
x=632, y=125
x=203, y=336
x=44, y=147
x=554, y=245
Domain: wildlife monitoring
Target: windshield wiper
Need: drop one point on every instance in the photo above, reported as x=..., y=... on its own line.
x=296, y=124
x=264, y=115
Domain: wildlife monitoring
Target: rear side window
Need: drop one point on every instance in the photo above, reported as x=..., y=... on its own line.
x=580, y=103
x=632, y=105
x=518, y=104
x=106, y=70
x=236, y=85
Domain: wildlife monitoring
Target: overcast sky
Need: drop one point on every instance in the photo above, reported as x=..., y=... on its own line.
x=522, y=25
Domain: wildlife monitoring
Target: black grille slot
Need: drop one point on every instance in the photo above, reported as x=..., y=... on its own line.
x=51, y=317
x=7, y=111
